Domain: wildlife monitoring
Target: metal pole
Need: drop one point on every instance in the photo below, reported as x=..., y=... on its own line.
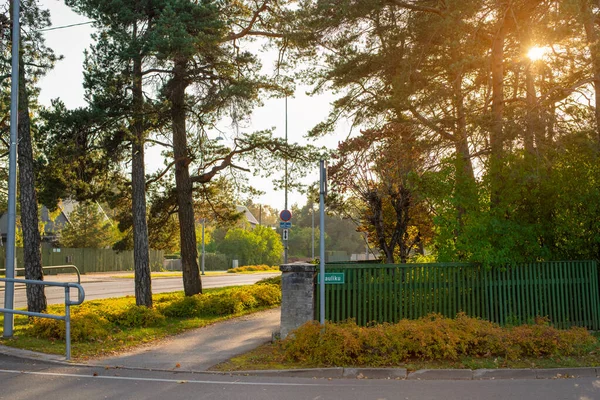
x=312, y=236
x=285, y=244
x=68, y=321
x=322, y=193
x=9, y=293
x=202, y=263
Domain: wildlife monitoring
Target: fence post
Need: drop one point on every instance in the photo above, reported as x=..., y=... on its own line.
x=297, y=296
x=68, y=322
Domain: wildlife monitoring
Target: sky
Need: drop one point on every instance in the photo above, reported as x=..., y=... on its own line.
x=65, y=82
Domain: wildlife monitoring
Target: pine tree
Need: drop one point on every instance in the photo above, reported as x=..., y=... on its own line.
x=88, y=227
x=121, y=43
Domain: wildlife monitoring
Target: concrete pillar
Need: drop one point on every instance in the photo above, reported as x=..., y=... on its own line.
x=297, y=295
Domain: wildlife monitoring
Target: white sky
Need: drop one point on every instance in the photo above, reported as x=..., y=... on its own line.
x=65, y=82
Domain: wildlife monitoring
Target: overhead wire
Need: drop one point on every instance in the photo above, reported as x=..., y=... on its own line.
x=53, y=28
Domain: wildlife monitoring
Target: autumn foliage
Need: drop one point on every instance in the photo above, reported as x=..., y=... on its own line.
x=433, y=337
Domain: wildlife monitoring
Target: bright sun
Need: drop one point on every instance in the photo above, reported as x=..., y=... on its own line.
x=536, y=53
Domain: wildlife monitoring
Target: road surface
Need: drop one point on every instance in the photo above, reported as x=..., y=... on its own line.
x=24, y=379
x=100, y=288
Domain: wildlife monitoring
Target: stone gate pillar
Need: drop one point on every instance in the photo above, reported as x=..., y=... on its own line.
x=297, y=295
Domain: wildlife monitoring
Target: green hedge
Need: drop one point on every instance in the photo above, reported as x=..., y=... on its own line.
x=215, y=262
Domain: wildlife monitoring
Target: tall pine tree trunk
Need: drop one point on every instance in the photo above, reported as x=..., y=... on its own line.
x=465, y=176
x=143, y=282
x=187, y=228
x=589, y=24
x=497, y=124
x=36, y=297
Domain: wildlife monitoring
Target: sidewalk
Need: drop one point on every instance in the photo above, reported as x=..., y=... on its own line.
x=199, y=349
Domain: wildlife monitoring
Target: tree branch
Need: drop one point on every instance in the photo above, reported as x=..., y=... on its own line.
x=266, y=34
x=248, y=29
x=159, y=143
x=415, y=7
x=157, y=177
x=430, y=124
x=153, y=70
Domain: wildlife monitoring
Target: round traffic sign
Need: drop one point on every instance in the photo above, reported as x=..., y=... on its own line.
x=285, y=215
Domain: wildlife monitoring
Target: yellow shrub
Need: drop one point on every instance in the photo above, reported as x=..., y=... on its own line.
x=433, y=337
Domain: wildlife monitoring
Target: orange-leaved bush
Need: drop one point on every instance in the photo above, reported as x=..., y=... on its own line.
x=433, y=337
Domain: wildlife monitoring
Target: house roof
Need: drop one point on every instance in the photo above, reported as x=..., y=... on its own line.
x=66, y=207
x=249, y=216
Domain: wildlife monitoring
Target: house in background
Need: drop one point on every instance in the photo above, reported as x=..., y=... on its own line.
x=248, y=216
x=52, y=226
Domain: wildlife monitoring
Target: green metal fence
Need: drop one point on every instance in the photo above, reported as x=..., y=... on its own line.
x=90, y=260
x=565, y=292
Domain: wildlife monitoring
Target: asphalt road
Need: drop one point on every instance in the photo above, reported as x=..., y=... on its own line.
x=25, y=379
x=118, y=287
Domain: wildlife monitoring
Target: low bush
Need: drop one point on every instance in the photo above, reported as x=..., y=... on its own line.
x=98, y=319
x=180, y=307
x=215, y=261
x=84, y=327
x=275, y=280
x=430, y=338
x=229, y=301
x=251, y=268
x=136, y=316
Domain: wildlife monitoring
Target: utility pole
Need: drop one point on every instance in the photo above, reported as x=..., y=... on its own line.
x=322, y=194
x=285, y=240
x=312, y=236
x=9, y=291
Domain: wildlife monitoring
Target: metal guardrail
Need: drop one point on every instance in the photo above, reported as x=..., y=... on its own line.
x=52, y=267
x=68, y=304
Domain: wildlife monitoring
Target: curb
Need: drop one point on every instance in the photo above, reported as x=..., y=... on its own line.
x=33, y=355
x=429, y=374
x=349, y=373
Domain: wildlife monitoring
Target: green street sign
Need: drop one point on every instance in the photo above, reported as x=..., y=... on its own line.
x=333, y=278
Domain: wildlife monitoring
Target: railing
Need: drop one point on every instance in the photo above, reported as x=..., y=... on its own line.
x=565, y=292
x=68, y=304
x=54, y=267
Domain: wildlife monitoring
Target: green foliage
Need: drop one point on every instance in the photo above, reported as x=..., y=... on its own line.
x=85, y=326
x=341, y=233
x=548, y=214
x=181, y=308
x=261, y=245
x=88, y=227
x=135, y=316
x=433, y=337
x=230, y=301
x=215, y=262
x=275, y=280
x=250, y=268
x=301, y=241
